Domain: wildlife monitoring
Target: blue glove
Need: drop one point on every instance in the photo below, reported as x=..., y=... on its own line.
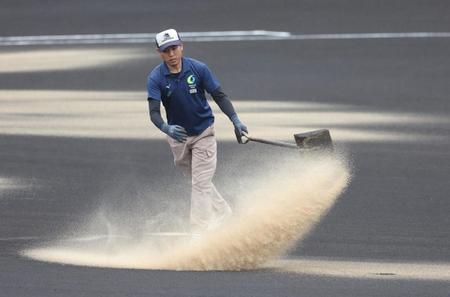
x=239, y=128
x=176, y=132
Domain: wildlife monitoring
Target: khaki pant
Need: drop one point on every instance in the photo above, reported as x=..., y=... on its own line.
x=197, y=158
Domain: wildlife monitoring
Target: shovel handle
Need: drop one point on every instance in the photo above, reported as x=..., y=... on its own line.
x=246, y=138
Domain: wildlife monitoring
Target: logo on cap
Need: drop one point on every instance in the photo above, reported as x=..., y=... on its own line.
x=167, y=37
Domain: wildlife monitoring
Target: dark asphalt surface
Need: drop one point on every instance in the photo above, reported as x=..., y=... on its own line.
x=396, y=209
x=18, y=17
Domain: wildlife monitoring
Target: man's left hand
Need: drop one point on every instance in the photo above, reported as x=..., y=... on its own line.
x=239, y=128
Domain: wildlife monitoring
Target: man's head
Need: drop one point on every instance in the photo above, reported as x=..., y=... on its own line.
x=170, y=47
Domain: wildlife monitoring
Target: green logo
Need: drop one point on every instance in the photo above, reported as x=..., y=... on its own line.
x=191, y=79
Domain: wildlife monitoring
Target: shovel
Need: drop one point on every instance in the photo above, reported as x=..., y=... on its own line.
x=307, y=141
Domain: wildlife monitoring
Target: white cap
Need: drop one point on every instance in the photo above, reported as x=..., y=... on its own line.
x=167, y=38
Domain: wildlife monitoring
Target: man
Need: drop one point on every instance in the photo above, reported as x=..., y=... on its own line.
x=180, y=84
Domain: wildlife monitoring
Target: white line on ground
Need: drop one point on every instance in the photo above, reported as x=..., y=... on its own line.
x=138, y=37
x=208, y=36
x=18, y=238
x=69, y=239
x=93, y=237
x=365, y=268
x=168, y=234
x=373, y=35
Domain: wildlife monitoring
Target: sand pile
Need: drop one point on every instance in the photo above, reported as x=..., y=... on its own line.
x=279, y=209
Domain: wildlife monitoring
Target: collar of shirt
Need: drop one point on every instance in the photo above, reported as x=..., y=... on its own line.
x=185, y=67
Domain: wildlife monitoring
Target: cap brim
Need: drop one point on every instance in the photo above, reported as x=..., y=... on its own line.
x=166, y=45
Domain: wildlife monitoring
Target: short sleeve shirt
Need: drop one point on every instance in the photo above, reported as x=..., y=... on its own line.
x=183, y=94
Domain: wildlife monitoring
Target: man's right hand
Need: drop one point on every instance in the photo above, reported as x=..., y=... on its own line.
x=176, y=132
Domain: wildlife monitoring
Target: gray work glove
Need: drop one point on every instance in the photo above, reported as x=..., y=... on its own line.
x=239, y=128
x=176, y=132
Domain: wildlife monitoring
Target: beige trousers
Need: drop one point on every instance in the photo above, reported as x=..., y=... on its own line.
x=197, y=158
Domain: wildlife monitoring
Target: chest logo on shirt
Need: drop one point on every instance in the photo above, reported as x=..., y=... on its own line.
x=190, y=79
x=191, y=83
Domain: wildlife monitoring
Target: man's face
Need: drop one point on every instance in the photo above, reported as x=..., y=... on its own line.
x=172, y=55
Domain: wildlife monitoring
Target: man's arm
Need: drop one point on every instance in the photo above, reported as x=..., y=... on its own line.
x=227, y=107
x=223, y=102
x=154, y=107
x=176, y=132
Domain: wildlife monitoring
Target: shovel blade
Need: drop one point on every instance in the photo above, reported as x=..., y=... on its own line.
x=317, y=139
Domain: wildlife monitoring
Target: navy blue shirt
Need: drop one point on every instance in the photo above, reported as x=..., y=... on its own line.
x=183, y=94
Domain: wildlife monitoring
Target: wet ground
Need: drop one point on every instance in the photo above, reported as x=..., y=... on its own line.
x=384, y=99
